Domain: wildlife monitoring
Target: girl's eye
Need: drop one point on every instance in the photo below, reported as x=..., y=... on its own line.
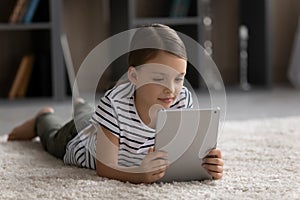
x=158, y=79
x=179, y=79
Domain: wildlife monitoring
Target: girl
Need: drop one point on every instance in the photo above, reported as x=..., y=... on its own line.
x=118, y=139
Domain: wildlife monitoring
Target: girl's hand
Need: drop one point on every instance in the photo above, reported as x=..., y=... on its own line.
x=213, y=163
x=154, y=166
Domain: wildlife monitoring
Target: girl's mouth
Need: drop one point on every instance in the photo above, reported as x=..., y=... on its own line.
x=166, y=100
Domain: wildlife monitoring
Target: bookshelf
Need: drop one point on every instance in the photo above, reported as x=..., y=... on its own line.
x=40, y=37
x=126, y=14
x=260, y=47
x=227, y=17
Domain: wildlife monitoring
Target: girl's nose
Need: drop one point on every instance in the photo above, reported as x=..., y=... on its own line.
x=170, y=87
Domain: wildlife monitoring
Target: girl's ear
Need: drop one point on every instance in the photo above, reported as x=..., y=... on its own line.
x=132, y=75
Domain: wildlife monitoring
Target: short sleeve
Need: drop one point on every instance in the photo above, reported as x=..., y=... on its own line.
x=106, y=116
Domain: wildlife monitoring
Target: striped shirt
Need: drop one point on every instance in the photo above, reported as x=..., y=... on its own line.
x=117, y=113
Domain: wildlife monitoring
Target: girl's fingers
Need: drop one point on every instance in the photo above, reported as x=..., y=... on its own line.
x=215, y=153
x=154, y=167
x=213, y=161
x=160, y=171
x=156, y=155
x=154, y=161
x=216, y=175
x=213, y=168
x=151, y=149
x=158, y=164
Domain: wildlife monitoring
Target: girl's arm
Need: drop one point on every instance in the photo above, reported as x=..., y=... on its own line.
x=152, y=168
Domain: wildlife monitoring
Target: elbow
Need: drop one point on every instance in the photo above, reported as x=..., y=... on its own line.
x=103, y=170
x=99, y=173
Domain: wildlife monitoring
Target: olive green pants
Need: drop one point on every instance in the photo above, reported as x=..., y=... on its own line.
x=55, y=135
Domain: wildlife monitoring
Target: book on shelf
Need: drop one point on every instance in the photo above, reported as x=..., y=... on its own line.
x=33, y=4
x=23, y=11
x=21, y=80
x=17, y=10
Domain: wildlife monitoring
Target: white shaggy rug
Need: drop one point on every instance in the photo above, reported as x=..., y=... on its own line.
x=262, y=161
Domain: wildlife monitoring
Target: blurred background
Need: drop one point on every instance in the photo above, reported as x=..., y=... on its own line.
x=263, y=29
x=253, y=43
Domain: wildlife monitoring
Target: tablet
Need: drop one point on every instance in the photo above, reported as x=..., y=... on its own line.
x=187, y=135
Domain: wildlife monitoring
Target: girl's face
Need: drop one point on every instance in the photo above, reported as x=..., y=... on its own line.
x=159, y=81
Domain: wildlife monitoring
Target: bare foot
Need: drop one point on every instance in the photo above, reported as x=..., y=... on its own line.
x=26, y=130
x=79, y=100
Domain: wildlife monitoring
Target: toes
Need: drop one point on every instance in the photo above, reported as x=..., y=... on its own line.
x=11, y=135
